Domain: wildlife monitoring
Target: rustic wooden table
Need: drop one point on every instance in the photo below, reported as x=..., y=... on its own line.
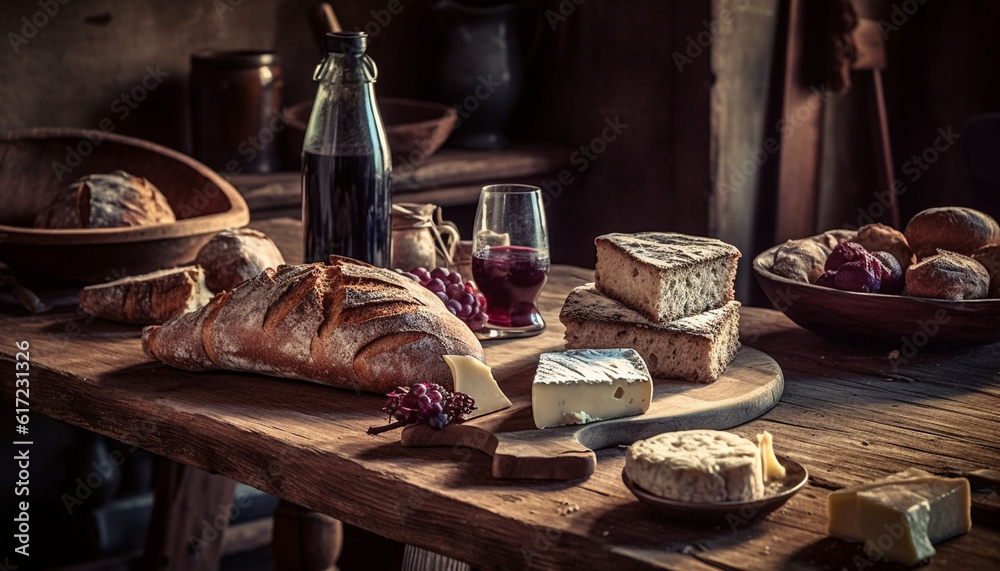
x=849, y=414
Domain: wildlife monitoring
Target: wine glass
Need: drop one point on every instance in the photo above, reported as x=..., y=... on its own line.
x=510, y=258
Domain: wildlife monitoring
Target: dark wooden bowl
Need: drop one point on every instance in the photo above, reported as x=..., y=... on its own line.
x=906, y=323
x=410, y=126
x=203, y=202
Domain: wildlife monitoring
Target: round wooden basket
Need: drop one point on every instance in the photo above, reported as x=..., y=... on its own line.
x=36, y=163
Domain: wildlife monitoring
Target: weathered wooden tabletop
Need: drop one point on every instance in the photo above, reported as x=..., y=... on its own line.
x=849, y=414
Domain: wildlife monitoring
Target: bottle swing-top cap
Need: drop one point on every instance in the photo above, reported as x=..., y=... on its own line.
x=345, y=42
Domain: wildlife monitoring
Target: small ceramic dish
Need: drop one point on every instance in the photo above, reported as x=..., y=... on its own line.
x=727, y=513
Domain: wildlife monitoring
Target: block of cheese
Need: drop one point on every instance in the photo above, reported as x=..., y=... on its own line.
x=666, y=276
x=587, y=385
x=472, y=377
x=697, y=466
x=769, y=465
x=894, y=522
x=696, y=348
x=950, y=502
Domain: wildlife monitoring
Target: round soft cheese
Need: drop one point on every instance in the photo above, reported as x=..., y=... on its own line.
x=697, y=466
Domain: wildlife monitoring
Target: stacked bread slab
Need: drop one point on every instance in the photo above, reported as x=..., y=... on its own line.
x=668, y=296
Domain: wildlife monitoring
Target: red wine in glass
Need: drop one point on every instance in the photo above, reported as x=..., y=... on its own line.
x=511, y=278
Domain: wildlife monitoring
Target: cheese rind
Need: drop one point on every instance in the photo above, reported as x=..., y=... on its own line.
x=580, y=386
x=472, y=377
x=950, y=502
x=894, y=522
x=697, y=466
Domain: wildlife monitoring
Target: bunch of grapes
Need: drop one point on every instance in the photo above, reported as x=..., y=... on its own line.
x=462, y=299
x=426, y=403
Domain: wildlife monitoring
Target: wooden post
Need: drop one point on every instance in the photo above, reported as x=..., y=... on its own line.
x=190, y=515
x=305, y=540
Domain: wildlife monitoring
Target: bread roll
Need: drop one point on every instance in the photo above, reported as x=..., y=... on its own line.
x=149, y=298
x=947, y=275
x=106, y=201
x=882, y=238
x=951, y=228
x=989, y=257
x=348, y=324
x=232, y=257
x=800, y=260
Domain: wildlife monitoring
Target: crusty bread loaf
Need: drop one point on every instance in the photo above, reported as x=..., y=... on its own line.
x=666, y=276
x=800, y=260
x=232, y=257
x=947, y=275
x=348, y=325
x=831, y=238
x=951, y=228
x=696, y=348
x=881, y=238
x=149, y=298
x=989, y=257
x=106, y=201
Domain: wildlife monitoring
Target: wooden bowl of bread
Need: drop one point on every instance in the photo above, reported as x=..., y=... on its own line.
x=936, y=283
x=88, y=206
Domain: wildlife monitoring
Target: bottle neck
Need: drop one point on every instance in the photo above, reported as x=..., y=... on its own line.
x=346, y=68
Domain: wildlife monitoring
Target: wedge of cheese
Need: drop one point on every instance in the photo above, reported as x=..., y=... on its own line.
x=901, y=517
x=895, y=522
x=587, y=385
x=472, y=377
x=771, y=469
x=950, y=501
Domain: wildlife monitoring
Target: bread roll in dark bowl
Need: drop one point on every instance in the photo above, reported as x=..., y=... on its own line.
x=952, y=228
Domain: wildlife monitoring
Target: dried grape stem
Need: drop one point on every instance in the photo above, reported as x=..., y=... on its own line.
x=373, y=430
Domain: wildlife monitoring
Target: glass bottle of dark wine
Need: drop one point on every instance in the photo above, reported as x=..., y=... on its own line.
x=346, y=162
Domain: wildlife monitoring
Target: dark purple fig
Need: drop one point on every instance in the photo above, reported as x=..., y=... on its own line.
x=844, y=252
x=892, y=276
x=864, y=275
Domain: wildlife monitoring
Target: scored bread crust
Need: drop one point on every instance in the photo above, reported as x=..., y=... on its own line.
x=947, y=276
x=696, y=348
x=348, y=325
x=149, y=298
x=666, y=275
x=112, y=200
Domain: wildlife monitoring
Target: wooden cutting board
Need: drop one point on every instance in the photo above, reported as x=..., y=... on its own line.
x=751, y=385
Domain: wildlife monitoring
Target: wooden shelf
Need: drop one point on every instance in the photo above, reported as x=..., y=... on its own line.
x=450, y=177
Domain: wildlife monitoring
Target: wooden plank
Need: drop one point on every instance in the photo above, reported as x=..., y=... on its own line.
x=306, y=444
x=800, y=136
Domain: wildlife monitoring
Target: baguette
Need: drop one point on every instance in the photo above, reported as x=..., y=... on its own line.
x=348, y=325
x=149, y=298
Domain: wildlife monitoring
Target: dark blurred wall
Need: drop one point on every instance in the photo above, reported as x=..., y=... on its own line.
x=681, y=125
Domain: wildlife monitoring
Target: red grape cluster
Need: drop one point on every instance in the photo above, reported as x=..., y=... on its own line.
x=428, y=403
x=462, y=299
